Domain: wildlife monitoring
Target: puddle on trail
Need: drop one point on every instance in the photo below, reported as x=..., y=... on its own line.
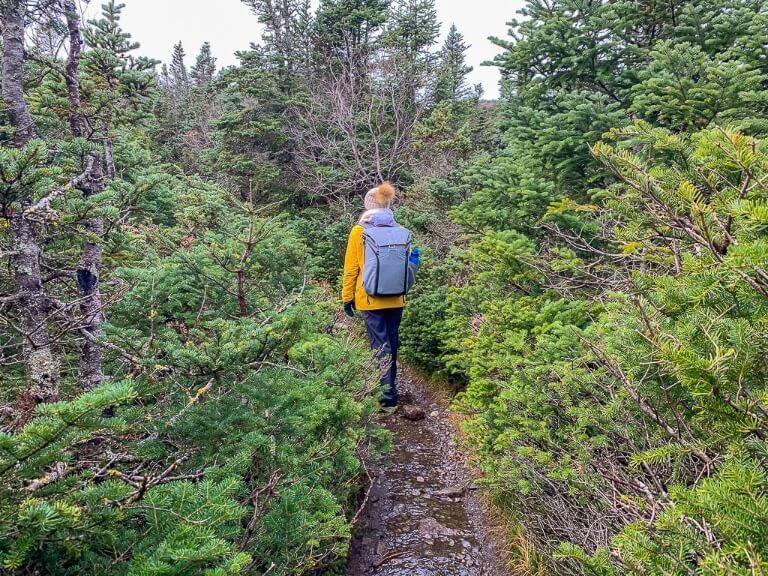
x=420, y=520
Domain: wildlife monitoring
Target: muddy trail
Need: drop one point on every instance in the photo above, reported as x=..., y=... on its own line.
x=423, y=516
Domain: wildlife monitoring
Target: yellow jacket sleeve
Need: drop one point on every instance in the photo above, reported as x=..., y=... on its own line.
x=353, y=261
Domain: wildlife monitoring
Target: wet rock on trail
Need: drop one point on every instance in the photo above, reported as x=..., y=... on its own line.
x=421, y=518
x=413, y=412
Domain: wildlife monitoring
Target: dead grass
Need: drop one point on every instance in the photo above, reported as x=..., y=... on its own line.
x=519, y=554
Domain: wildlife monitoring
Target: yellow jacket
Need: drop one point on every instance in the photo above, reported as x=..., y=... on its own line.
x=353, y=278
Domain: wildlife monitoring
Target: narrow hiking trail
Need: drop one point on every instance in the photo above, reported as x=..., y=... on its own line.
x=423, y=517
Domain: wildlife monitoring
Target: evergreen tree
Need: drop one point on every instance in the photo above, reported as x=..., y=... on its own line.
x=285, y=36
x=451, y=84
x=574, y=304
x=411, y=33
x=188, y=109
x=205, y=67
x=594, y=283
x=348, y=29
x=178, y=68
x=413, y=29
x=213, y=340
x=251, y=152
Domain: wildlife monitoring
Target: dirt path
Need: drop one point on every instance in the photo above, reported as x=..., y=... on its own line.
x=423, y=516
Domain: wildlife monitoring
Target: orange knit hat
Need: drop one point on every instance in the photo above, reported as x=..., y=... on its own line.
x=380, y=197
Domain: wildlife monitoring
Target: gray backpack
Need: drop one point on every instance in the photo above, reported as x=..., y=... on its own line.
x=386, y=268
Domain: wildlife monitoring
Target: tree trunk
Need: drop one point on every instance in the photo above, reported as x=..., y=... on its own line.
x=13, y=14
x=91, y=356
x=76, y=120
x=42, y=369
x=109, y=158
x=91, y=306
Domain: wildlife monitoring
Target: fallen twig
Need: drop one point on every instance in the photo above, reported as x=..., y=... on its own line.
x=367, y=492
x=388, y=557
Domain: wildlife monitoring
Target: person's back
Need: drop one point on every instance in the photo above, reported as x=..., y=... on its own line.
x=373, y=286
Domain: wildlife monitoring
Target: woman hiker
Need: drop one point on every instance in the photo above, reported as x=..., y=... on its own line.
x=379, y=268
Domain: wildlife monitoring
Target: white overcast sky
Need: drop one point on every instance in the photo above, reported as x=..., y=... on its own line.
x=229, y=26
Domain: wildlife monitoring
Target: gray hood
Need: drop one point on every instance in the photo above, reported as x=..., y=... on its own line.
x=378, y=217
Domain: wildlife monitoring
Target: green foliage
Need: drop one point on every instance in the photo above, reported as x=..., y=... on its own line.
x=115, y=77
x=594, y=279
x=569, y=402
x=349, y=24
x=249, y=143
x=225, y=438
x=452, y=78
x=423, y=331
x=238, y=417
x=605, y=297
x=684, y=88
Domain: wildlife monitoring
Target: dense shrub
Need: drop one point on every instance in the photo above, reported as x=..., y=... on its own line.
x=222, y=425
x=608, y=293
x=232, y=435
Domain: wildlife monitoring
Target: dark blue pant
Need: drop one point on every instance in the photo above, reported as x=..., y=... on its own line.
x=383, y=327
